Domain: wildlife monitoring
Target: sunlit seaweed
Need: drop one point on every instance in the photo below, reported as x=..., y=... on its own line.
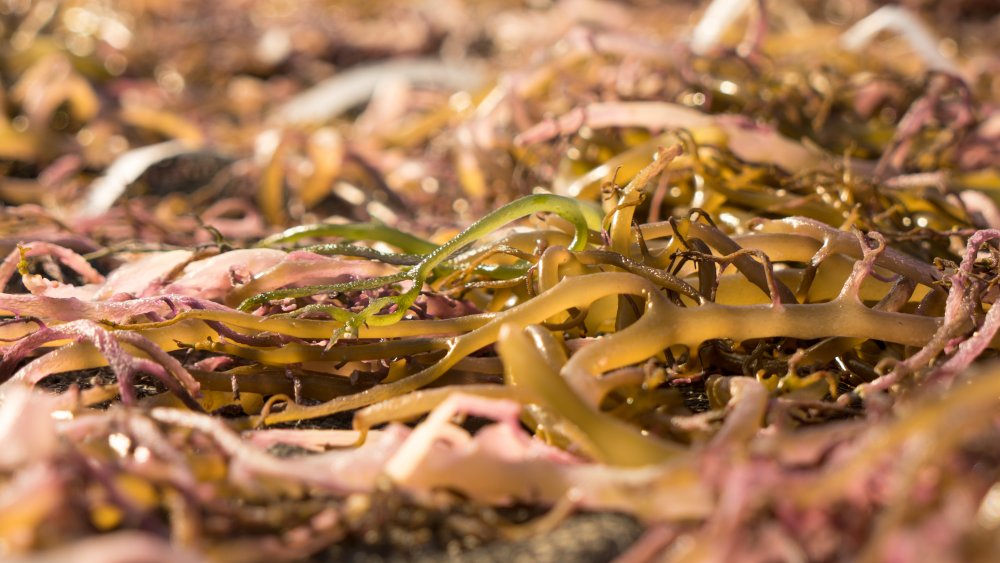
x=733, y=288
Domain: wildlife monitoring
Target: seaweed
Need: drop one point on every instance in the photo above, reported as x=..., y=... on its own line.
x=511, y=275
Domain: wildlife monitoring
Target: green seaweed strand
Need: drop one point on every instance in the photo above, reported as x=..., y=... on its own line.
x=496, y=271
x=353, y=231
x=567, y=208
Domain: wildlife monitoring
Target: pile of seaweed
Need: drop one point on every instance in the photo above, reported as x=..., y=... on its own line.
x=572, y=280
